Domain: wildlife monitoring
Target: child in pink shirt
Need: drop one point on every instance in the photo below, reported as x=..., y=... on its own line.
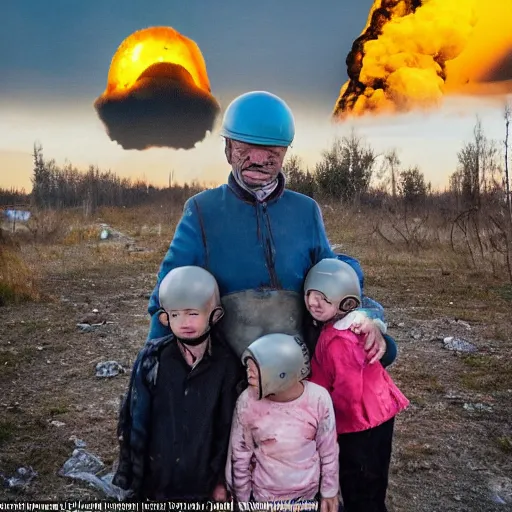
x=283, y=437
x=365, y=398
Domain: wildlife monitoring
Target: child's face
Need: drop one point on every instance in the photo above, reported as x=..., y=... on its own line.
x=253, y=373
x=188, y=323
x=319, y=307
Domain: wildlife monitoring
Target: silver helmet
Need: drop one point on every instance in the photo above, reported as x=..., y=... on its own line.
x=337, y=280
x=282, y=360
x=189, y=288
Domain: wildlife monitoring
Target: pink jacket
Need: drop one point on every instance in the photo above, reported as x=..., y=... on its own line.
x=283, y=450
x=364, y=395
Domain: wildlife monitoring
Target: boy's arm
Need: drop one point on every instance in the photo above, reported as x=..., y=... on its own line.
x=186, y=248
x=327, y=446
x=124, y=476
x=238, y=466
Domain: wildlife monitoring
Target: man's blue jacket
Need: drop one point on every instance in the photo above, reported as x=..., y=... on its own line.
x=251, y=245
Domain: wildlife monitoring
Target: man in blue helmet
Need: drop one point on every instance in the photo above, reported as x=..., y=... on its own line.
x=258, y=239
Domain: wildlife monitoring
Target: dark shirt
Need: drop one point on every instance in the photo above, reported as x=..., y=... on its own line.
x=183, y=448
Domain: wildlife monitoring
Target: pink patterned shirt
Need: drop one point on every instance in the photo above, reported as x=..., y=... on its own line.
x=283, y=450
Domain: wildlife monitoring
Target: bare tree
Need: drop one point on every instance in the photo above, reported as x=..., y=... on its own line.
x=345, y=170
x=507, y=116
x=297, y=178
x=478, y=166
x=412, y=185
x=393, y=163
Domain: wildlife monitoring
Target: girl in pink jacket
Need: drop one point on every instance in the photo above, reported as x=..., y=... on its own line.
x=283, y=436
x=365, y=398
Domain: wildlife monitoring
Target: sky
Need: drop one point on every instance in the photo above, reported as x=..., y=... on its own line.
x=55, y=56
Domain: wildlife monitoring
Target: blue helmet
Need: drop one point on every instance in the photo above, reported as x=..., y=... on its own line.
x=259, y=117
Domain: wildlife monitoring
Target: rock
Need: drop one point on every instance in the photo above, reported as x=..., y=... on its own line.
x=462, y=323
x=22, y=478
x=85, y=327
x=458, y=345
x=91, y=327
x=109, y=369
x=501, y=488
x=57, y=424
x=477, y=407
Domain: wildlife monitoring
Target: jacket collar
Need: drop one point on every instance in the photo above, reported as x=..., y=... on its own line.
x=248, y=197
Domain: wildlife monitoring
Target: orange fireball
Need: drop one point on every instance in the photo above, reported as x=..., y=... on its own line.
x=158, y=93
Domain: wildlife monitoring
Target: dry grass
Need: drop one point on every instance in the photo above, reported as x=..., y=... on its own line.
x=487, y=373
x=505, y=444
x=18, y=281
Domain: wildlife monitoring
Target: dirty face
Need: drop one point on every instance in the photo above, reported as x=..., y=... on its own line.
x=188, y=323
x=258, y=165
x=253, y=373
x=319, y=307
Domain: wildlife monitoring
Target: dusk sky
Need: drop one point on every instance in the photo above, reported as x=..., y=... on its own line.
x=55, y=56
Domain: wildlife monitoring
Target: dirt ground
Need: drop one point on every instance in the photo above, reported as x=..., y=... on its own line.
x=452, y=448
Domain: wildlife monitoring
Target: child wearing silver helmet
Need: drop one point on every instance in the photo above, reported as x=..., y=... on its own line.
x=175, y=421
x=365, y=398
x=283, y=439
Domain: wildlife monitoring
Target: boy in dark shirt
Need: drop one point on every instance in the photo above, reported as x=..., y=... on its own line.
x=175, y=422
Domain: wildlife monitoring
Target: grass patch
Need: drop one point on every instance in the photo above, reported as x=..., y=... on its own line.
x=422, y=380
x=57, y=410
x=12, y=359
x=505, y=292
x=415, y=451
x=505, y=444
x=80, y=234
x=486, y=373
x=7, y=430
x=18, y=282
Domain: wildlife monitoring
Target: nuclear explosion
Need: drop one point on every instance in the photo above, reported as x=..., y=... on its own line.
x=412, y=53
x=158, y=93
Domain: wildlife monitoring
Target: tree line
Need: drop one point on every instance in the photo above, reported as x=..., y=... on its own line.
x=55, y=187
x=350, y=171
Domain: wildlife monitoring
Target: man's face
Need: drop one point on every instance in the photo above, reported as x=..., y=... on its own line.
x=258, y=165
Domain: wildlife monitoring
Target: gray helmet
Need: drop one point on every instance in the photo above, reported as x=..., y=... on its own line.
x=282, y=360
x=337, y=280
x=189, y=288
